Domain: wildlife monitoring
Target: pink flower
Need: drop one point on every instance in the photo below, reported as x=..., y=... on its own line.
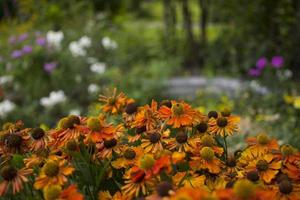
x=261, y=63
x=254, y=72
x=277, y=61
x=49, y=67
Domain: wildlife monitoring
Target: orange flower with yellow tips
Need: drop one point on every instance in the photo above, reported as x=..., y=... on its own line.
x=181, y=142
x=266, y=165
x=224, y=124
x=54, y=172
x=113, y=104
x=180, y=114
x=287, y=190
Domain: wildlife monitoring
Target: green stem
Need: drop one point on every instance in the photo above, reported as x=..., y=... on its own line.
x=225, y=147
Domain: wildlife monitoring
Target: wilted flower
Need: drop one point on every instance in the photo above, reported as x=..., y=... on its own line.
x=109, y=43
x=6, y=107
x=54, y=98
x=98, y=68
x=54, y=38
x=49, y=67
x=277, y=61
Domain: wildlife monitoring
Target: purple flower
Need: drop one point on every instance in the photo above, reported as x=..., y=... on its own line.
x=49, y=67
x=27, y=49
x=261, y=63
x=23, y=37
x=16, y=54
x=41, y=41
x=277, y=61
x=254, y=72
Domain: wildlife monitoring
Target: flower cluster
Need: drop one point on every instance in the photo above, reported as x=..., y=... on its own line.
x=276, y=63
x=165, y=150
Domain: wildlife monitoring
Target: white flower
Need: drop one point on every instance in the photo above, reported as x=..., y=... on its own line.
x=85, y=41
x=54, y=98
x=98, y=67
x=74, y=112
x=5, y=79
x=76, y=49
x=109, y=43
x=93, y=88
x=54, y=38
x=6, y=107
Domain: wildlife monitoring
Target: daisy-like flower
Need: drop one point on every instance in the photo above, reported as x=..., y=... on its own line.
x=207, y=161
x=181, y=143
x=208, y=141
x=189, y=179
x=147, y=116
x=163, y=191
x=129, y=114
x=287, y=190
x=136, y=183
x=14, y=178
x=108, y=147
x=262, y=143
x=38, y=140
x=266, y=165
x=224, y=124
x=105, y=195
x=290, y=161
x=153, y=142
x=179, y=115
x=98, y=130
x=54, y=172
x=69, y=128
x=129, y=158
x=114, y=103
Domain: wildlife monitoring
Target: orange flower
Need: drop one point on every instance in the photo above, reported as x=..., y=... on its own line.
x=180, y=114
x=190, y=194
x=286, y=190
x=267, y=165
x=189, y=179
x=13, y=177
x=223, y=126
x=262, y=143
x=39, y=139
x=130, y=157
x=114, y=103
x=54, y=172
x=152, y=143
x=69, y=128
x=206, y=160
x=181, y=143
x=136, y=183
x=108, y=147
x=71, y=193
x=97, y=130
x=147, y=116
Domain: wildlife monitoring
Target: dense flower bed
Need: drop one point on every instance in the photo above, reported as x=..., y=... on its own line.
x=164, y=150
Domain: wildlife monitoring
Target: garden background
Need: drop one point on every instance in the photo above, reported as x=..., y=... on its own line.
x=57, y=56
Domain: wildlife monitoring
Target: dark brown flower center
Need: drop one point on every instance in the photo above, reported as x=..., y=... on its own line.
x=13, y=141
x=166, y=103
x=163, y=189
x=222, y=122
x=231, y=162
x=8, y=173
x=285, y=187
x=37, y=133
x=131, y=108
x=110, y=143
x=51, y=168
x=140, y=130
x=181, y=137
x=129, y=154
x=213, y=114
x=253, y=176
x=262, y=165
x=154, y=137
x=202, y=127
